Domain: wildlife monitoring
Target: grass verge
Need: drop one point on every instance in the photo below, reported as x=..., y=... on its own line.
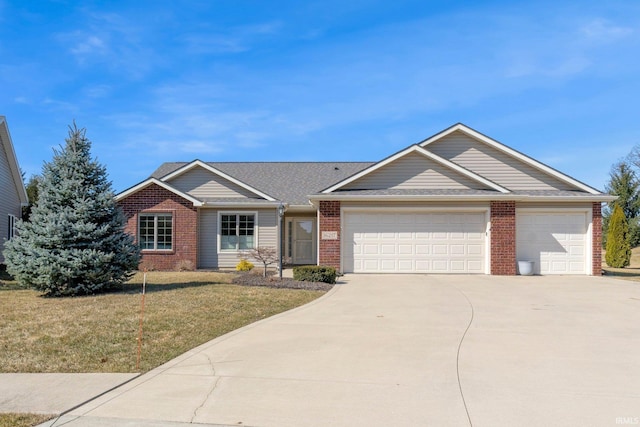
x=99, y=333
x=632, y=272
x=23, y=420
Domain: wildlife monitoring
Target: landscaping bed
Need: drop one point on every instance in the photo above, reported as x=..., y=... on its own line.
x=253, y=278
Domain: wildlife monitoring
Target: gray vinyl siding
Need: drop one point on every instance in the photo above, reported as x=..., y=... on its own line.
x=201, y=183
x=494, y=164
x=208, y=256
x=414, y=171
x=9, y=199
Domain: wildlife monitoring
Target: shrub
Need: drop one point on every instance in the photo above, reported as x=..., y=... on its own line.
x=618, y=248
x=315, y=273
x=244, y=265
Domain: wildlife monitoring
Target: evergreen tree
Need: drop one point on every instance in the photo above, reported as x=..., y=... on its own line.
x=618, y=248
x=32, y=195
x=75, y=241
x=624, y=183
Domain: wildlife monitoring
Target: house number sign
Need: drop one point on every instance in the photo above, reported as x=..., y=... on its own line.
x=329, y=235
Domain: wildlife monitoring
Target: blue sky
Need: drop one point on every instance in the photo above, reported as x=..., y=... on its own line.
x=156, y=81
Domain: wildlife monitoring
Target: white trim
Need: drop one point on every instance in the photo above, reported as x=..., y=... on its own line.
x=409, y=209
x=218, y=172
x=155, y=215
x=12, y=159
x=12, y=230
x=588, y=198
x=511, y=152
x=255, y=230
x=417, y=149
x=148, y=182
x=589, y=223
x=287, y=236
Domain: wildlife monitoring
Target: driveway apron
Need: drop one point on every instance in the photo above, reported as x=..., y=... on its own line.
x=379, y=350
x=409, y=350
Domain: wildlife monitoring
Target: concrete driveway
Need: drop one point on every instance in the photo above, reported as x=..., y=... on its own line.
x=409, y=350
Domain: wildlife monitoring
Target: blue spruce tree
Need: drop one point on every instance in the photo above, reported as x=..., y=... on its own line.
x=74, y=242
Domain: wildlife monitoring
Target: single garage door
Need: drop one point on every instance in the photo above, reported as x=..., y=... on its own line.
x=556, y=241
x=434, y=242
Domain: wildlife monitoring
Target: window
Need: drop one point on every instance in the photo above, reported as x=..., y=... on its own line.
x=156, y=232
x=11, y=229
x=237, y=231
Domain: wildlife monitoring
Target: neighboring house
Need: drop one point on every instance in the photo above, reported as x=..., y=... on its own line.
x=458, y=202
x=13, y=195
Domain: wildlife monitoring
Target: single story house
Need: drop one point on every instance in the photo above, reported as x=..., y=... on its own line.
x=13, y=195
x=457, y=202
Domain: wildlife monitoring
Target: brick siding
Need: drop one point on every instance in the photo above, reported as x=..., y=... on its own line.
x=503, y=238
x=329, y=214
x=185, y=226
x=596, y=240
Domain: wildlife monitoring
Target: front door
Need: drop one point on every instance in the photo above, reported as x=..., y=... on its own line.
x=302, y=232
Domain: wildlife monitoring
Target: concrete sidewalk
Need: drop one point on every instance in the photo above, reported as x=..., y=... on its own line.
x=407, y=350
x=53, y=393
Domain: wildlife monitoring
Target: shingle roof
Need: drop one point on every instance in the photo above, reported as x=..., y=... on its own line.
x=290, y=182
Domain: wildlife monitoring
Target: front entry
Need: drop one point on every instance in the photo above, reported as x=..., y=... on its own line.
x=301, y=240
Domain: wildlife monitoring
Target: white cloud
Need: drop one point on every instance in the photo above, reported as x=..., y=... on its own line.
x=602, y=30
x=230, y=40
x=88, y=45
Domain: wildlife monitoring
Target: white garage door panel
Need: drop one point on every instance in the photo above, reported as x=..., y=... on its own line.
x=556, y=241
x=414, y=242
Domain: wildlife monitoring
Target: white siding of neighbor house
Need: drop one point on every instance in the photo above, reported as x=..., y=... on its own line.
x=9, y=199
x=201, y=183
x=208, y=256
x=494, y=164
x=414, y=171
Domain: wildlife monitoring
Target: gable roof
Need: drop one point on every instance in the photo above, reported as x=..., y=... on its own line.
x=212, y=169
x=301, y=184
x=460, y=127
x=417, y=149
x=290, y=182
x=7, y=145
x=149, y=181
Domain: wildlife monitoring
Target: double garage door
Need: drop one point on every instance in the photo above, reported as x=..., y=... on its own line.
x=432, y=242
x=456, y=242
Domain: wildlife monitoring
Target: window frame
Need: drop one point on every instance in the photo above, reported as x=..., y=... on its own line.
x=12, y=230
x=237, y=214
x=155, y=216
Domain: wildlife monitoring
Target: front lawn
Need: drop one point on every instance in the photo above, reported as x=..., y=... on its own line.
x=99, y=333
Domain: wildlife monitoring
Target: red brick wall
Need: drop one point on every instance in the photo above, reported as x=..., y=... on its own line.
x=503, y=238
x=185, y=226
x=596, y=240
x=329, y=214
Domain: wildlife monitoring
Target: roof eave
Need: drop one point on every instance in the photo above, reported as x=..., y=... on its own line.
x=5, y=140
x=144, y=184
x=227, y=204
x=465, y=197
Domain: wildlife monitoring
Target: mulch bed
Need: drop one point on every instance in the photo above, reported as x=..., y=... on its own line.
x=272, y=281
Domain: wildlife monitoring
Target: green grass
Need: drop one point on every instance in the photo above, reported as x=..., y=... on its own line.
x=100, y=333
x=23, y=420
x=632, y=272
